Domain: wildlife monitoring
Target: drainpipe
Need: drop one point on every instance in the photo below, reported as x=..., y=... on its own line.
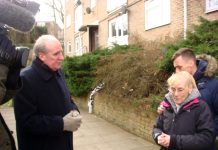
x=185, y=14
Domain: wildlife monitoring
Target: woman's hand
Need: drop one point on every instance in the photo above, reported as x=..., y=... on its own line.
x=164, y=140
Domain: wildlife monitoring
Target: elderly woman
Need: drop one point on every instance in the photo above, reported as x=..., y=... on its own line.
x=186, y=123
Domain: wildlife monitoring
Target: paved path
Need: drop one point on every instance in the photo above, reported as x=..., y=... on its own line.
x=96, y=134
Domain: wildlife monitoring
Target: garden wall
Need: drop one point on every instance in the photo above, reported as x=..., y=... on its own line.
x=138, y=120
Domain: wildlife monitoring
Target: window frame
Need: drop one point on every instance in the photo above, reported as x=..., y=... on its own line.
x=120, y=34
x=78, y=18
x=68, y=21
x=93, y=3
x=209, y=8
x=114, y=4
x=69, y=47
x=78, y=46
x=157, y=9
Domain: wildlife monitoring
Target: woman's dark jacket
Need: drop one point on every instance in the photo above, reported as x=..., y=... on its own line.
x=191, y=128
x=39, y=108
x=208, y=84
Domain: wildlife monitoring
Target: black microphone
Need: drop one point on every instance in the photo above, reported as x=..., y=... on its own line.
x=16, y=16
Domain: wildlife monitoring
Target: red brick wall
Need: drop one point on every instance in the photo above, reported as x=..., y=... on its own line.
x=136, y=120
x=136, y=20
x=69, y=31
x=198, y=8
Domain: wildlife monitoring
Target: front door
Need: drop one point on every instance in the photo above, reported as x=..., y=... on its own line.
x=93, y=34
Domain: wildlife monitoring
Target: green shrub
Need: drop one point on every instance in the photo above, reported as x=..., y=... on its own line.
x=78, y=73
x=80, y=70
x=203, y=39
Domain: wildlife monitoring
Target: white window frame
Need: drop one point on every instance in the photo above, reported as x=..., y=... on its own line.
x=121, y=30
x=211, y=5
x=68, y=21
x=69, y=48
x=157, y=13
x=93, y=3
x=113, y=4
x=78, y=18
x=78, y=46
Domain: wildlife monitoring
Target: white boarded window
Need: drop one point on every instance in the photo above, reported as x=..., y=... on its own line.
x=93, y=3
x=113, y=4
x=78, y=18
x=211, y=5
x=68, y=21
x=157, y=13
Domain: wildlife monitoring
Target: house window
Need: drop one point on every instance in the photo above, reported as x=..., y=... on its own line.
x=113, y=4
x=78, y=44
x=211, y=5
x=69, y=47
x=118, y=30
x=68, y=21
x=157, y=13
x=113, y=29
x=93, y=3
x=76, y=2
x=78, y=18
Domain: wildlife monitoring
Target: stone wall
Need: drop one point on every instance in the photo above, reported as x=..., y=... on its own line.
x=138, y=120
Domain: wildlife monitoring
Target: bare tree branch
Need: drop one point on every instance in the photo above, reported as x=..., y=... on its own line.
x=58, y=9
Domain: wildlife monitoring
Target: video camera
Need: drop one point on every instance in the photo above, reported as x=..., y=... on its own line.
x=31, y=6
x=18, y=14
x=19, y=58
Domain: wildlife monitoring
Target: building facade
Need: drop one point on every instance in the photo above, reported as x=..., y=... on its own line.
x=90, y=24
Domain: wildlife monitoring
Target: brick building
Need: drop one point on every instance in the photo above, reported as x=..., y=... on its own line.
x=100, y=23
x=53, y=29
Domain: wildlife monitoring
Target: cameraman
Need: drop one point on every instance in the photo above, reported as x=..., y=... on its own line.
x=11, y=62
x=18, y=15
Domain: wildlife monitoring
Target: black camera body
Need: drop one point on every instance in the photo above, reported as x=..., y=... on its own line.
x=11, y=56
x=18, y=15
x=21, y=57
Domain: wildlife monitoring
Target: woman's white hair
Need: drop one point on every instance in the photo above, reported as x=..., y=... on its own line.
x=176, y=77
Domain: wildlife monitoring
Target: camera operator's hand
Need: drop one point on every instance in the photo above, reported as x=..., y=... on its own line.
x=7, y=50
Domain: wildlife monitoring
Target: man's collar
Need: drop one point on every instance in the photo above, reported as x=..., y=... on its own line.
x=43, y=70
x=201, y=66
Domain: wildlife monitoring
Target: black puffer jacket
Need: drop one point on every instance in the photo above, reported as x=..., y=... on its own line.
x=191, y=128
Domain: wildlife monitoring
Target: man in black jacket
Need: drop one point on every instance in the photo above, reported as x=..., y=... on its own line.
x=45, y=114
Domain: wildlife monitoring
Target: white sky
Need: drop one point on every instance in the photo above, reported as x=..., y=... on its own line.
x=45, y=13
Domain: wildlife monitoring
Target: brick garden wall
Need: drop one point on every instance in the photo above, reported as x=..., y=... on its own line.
x=137, y=120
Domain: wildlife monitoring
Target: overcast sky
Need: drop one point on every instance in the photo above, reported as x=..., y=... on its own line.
x=45, y=13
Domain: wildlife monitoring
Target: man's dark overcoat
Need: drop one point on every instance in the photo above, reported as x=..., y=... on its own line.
x=39, y=108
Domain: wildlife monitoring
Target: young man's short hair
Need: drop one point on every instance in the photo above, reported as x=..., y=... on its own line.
x=186, y=53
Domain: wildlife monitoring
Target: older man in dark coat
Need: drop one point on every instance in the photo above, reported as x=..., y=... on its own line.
x=45, y=114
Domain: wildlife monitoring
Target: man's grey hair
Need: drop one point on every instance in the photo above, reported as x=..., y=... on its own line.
x=41, y=44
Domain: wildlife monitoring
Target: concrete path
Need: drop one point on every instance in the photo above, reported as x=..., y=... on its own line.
x=96, y=134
